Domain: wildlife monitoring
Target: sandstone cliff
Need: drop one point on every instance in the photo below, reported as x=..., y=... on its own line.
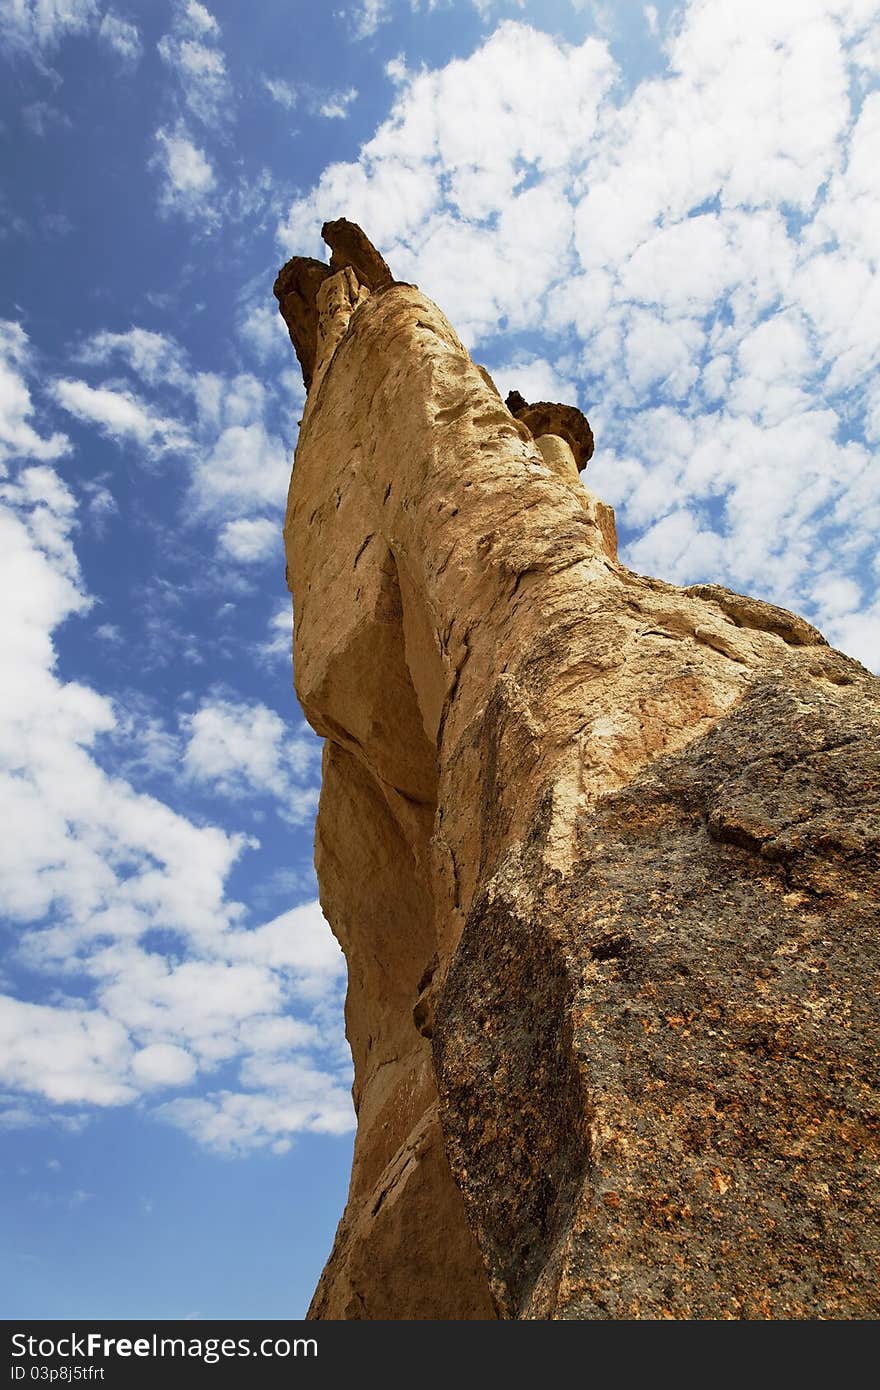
x=602, y=856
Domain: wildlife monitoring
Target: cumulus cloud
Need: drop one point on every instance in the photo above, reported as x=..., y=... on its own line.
x=100, y=877
x=535, y=378
x=699, y=256
x=251, y=540
x=244, y=749
x=244, y=467
x=466, y=170
x=239, y=467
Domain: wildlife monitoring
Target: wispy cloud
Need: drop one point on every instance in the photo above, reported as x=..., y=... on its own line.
x=287, y=94
x=239, y=467
x=154, y=357
x=120, y=415
x=18, y=438
x=368, y=15
x=121, y=36
x=333, y=105
x=35, y=28
x=192, y=52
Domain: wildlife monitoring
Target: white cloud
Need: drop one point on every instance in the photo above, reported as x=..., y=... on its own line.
x=298, y=941
x=332, y=105
x=155, y=357
x=286, y=94
x=121, y=35
x=265, y=332
x=278, y=645
x=473, y=167
x=700, y=256
x=336, y=104
x=858, y=633
x=18, y=438
x=368, y=15
x=301, y=1098
x=188, y=178
x=248, y=750
x=70, y=1056
x=91, y=869
x=190, y=50
x=238, y=466
x=35, y=27
x=251, y=540
x=41, y=116
x=534, y=378
x=247, y=468
x=120, y=415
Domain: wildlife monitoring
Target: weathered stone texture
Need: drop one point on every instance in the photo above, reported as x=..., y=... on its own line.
x=602, y=856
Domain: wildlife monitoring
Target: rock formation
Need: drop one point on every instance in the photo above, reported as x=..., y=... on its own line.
x=602, y=856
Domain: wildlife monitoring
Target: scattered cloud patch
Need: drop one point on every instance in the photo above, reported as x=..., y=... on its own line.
x=246, y=750
x=473, y=167
x=697, y=258
x=122, y=36
x=286, y=94
x=367, y=16
x=34, y=28
x=278, y=643
x=535, y=378
x=264, y=331
x=246, y=468
x=251, y=540
x=333, y=105
x=92, y=871
x=120, y=415
x=336, y=105
x=188, y=180
x=190, y=50
x=18, y=438
x=41, y=116
x=154, y=357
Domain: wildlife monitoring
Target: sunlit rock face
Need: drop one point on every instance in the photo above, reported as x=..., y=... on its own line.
x=602, y=856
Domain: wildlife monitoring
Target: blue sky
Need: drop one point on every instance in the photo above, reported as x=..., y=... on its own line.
x=669, y=214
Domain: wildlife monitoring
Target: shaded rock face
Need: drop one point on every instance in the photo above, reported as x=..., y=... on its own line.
x=602, y=856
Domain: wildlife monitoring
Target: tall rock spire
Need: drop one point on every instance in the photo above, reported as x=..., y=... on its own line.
x=602, y=856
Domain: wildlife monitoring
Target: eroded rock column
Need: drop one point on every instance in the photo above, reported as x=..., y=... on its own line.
x=601, y=853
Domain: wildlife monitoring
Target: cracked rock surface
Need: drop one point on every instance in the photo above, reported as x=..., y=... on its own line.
x=602, y=856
